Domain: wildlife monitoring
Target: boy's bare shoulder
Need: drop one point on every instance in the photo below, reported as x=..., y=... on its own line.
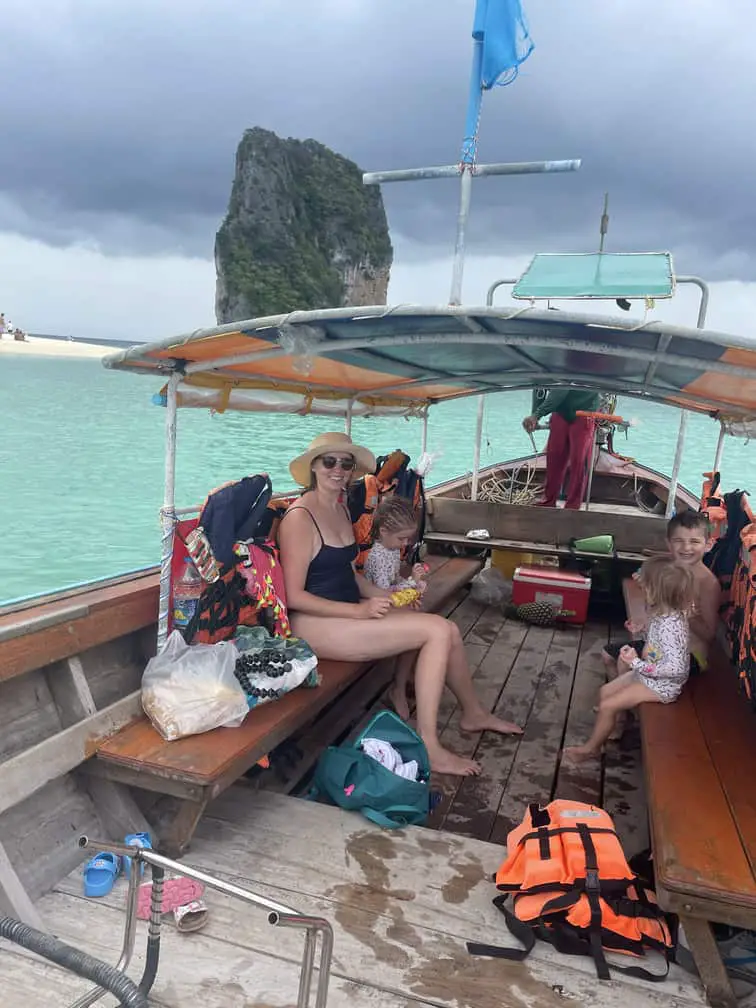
x=705, y=579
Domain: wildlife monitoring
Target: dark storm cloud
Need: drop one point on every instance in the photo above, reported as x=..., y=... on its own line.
x=120, y=120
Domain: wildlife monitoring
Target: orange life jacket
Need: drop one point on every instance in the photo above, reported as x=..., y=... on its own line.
x=366, y=494
x=571, y=886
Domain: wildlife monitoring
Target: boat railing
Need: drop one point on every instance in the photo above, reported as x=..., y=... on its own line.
x=279, y=915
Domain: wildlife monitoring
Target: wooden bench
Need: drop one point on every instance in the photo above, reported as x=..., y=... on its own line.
x=698, y=757
x=194, y=770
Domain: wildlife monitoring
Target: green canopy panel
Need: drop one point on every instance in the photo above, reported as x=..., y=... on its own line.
x=629, y=275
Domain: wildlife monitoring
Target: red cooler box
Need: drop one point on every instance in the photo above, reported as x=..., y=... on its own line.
x=564, y=590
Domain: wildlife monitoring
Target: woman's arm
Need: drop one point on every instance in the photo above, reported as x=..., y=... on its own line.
x=298, y=542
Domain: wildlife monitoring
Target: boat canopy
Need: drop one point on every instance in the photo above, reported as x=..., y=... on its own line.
x=402, y=359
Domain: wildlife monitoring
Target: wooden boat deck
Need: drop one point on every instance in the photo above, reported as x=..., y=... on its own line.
x=400, y=932
x=547, y=680
x=402, y=904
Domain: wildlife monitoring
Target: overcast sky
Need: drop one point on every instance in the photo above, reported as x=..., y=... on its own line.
x=120, y=120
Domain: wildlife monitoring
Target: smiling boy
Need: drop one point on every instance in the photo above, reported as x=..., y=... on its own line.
x=688, y=541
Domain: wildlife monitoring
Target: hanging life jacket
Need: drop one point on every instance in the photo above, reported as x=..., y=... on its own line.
x=392, y=475
x=232, y=549
x=571, y=886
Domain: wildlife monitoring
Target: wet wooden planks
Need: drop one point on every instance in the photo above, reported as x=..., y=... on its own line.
x=547, y=681
x=399, y=933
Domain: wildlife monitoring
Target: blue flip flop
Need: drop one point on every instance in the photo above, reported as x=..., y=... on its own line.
x=100, y=873
x=135, y=840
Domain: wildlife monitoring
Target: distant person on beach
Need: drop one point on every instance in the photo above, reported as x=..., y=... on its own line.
x=570, y=442
x=2, y=324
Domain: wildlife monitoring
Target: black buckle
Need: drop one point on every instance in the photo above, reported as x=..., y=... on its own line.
x=592, y=882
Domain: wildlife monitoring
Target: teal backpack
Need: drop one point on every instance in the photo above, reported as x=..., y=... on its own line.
x=354, y=780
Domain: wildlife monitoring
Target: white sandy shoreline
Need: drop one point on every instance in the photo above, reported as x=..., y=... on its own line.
x=35, y=346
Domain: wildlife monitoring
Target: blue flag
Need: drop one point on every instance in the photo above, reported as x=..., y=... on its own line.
x=500, y=25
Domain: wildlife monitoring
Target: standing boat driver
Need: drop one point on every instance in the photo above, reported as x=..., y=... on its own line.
x=570, y=442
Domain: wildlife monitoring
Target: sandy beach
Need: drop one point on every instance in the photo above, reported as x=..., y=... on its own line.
x=34, y=346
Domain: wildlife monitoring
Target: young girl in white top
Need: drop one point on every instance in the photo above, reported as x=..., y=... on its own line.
x=660, y=672
x=394, y=528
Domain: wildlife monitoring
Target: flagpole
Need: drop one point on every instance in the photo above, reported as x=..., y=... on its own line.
x=467, y=167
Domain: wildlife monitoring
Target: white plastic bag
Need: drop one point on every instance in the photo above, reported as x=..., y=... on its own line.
x=189, y=689
x=490, y=587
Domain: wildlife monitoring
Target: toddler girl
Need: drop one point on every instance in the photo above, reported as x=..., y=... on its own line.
x=394, y=528
x=660, y=672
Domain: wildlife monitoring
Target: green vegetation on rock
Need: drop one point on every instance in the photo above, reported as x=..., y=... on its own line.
x=301, y=232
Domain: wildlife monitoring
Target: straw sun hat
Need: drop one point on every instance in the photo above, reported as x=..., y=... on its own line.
x=301, y=467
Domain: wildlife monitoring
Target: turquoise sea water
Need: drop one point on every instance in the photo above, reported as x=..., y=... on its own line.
x=82, y=461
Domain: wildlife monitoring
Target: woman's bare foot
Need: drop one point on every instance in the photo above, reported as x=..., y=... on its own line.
x=398, y=700
x=579, y=754
x=488, y=722
x=444, y=762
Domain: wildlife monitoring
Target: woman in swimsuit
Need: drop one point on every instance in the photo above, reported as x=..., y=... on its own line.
x=344, y=617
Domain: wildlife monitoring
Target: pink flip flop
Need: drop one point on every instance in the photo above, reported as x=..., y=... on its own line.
x=177, y=892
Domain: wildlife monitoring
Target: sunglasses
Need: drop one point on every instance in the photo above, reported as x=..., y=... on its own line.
x=330, y=462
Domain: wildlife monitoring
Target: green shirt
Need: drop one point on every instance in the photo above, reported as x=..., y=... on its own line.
x=566, y=401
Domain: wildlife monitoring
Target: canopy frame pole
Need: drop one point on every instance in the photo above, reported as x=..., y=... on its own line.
x=476, y=455
x=700, y=324
x=677, y=463
x=720, y=447
x=167, y=512
x=424, y=439
x=348, y=418
x=591, y=468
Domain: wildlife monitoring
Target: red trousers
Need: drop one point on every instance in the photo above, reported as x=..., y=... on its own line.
x=569, y=443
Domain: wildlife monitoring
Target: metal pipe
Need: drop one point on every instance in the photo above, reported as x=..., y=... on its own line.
x=324, y=929
x=167, y=514
x=700, y=324
x=494, y=287
x=591, y=468
x=458, y=266
x=677, y=463
x=424, y=439
x=476, y=455
x=455, y=170
x=278, y=914
x=153, y=858
x=348, y=418
x=720, y=448
x=704, y=305
x=127, y=950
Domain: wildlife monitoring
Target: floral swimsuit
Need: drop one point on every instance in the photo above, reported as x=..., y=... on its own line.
x=666, y=667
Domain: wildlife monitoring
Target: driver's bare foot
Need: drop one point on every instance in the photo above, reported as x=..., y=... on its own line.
x=488, y=722
x=398, y=699
x=444, y=762
x=578, y=754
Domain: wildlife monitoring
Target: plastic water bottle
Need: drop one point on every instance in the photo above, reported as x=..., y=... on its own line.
x=186, y=595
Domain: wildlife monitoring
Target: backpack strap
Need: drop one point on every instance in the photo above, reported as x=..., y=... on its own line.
x=381, y=819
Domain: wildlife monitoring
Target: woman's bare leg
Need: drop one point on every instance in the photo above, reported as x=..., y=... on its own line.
x=405, y=663
x=473, y=716
x=610, y=705
x=366, y=640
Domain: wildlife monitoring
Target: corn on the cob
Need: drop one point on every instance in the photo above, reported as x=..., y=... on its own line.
x=404, y=596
